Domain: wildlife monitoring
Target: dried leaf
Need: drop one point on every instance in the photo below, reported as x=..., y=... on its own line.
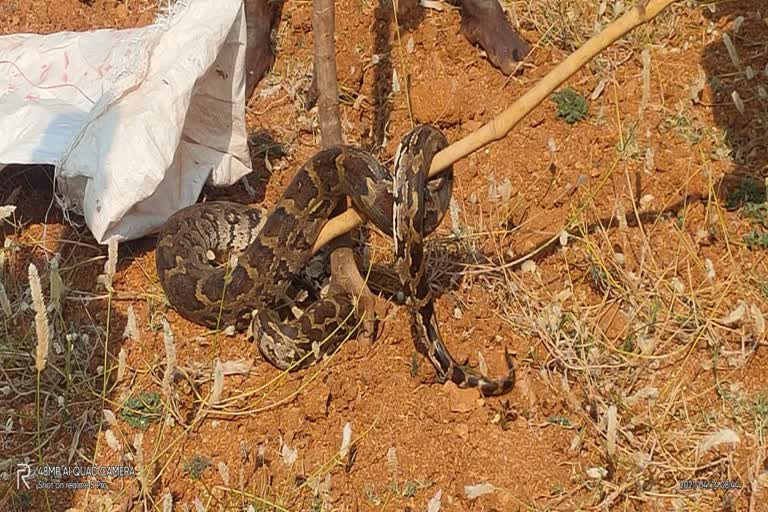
x=475, y=491
x=710, y=268
x=223, y=472
x=409, y=45
x=434, y=503
x=732, y=53
x=431, y=4
x=598, y=90
x=56, y=284
x=395, y=82
x=346, y=440
x=170, y=358
x=646, y=74
x=121, y=364
x=647, y=393
x=758, y=319
x=289, y=455
x=238, y=367
x=646, y=201
x=612, y=422
x=597, y=473
x=6, y=211
x=218, y=383
x=735, y=316
x=738, y=102
x=131, y=331
x=698, y=85
x=110, y=267
x=168, y=502
x=481, y=364
x=5, y=304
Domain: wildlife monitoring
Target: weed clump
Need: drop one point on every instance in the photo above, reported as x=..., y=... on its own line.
x=142, y=410
x=571, y=105
x=195, y=467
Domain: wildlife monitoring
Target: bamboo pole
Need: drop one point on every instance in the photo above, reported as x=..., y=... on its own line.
x=501, y=125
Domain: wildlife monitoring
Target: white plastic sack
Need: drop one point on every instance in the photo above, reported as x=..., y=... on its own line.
x=136, y=120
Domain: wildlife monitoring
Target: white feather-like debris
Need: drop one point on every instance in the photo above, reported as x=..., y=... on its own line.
x=346, y=440
x=722, y=436
x=42, y=329
x=473, y=492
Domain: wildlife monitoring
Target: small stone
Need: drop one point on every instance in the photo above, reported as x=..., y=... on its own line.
x=462, y=400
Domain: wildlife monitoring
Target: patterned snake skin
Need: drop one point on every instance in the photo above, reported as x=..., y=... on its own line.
x=223, y=263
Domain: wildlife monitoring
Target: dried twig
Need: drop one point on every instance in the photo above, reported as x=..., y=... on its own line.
x=343, y=267
x=500, y=126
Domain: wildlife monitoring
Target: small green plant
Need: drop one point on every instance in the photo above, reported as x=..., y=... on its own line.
x=410, y=488
x=370, y=495
x=142, y=410
x=629, y=344
x=415, y=364
x=757, y=213
x=684, y=125
x=598, y=278
x=750, y=199
x=195, y=467
x=557, y=489
x=762, y=287
x=317, y=505
x=756, y=240
x=747, y=191
x=571, y=105
x=561, y=421
x=761, y=411
x=24, y=501
x=262, y=144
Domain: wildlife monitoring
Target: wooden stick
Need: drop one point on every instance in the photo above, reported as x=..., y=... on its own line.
x=344, y=270
x=500, y=126
x=325, y=72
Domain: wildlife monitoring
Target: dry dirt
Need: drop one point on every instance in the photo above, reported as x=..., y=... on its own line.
x=635, y=305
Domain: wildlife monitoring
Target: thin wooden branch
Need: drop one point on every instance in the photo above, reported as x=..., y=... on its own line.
x=325, y=72
x=344, y=271
x=500, y=126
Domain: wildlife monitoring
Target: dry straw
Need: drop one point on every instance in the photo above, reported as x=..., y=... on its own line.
x=42, y=330
x=170, y=358
x=218, y=382
x=131, y=331
x=110, y=267
x=56, y=285
x=5, y=304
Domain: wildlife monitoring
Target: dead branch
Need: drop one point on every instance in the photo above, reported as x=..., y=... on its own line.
x=344, y=270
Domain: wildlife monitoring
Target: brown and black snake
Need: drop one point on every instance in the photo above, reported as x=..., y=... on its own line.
x=223, y=263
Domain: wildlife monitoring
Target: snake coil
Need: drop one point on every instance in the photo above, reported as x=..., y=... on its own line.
x=223, y=263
